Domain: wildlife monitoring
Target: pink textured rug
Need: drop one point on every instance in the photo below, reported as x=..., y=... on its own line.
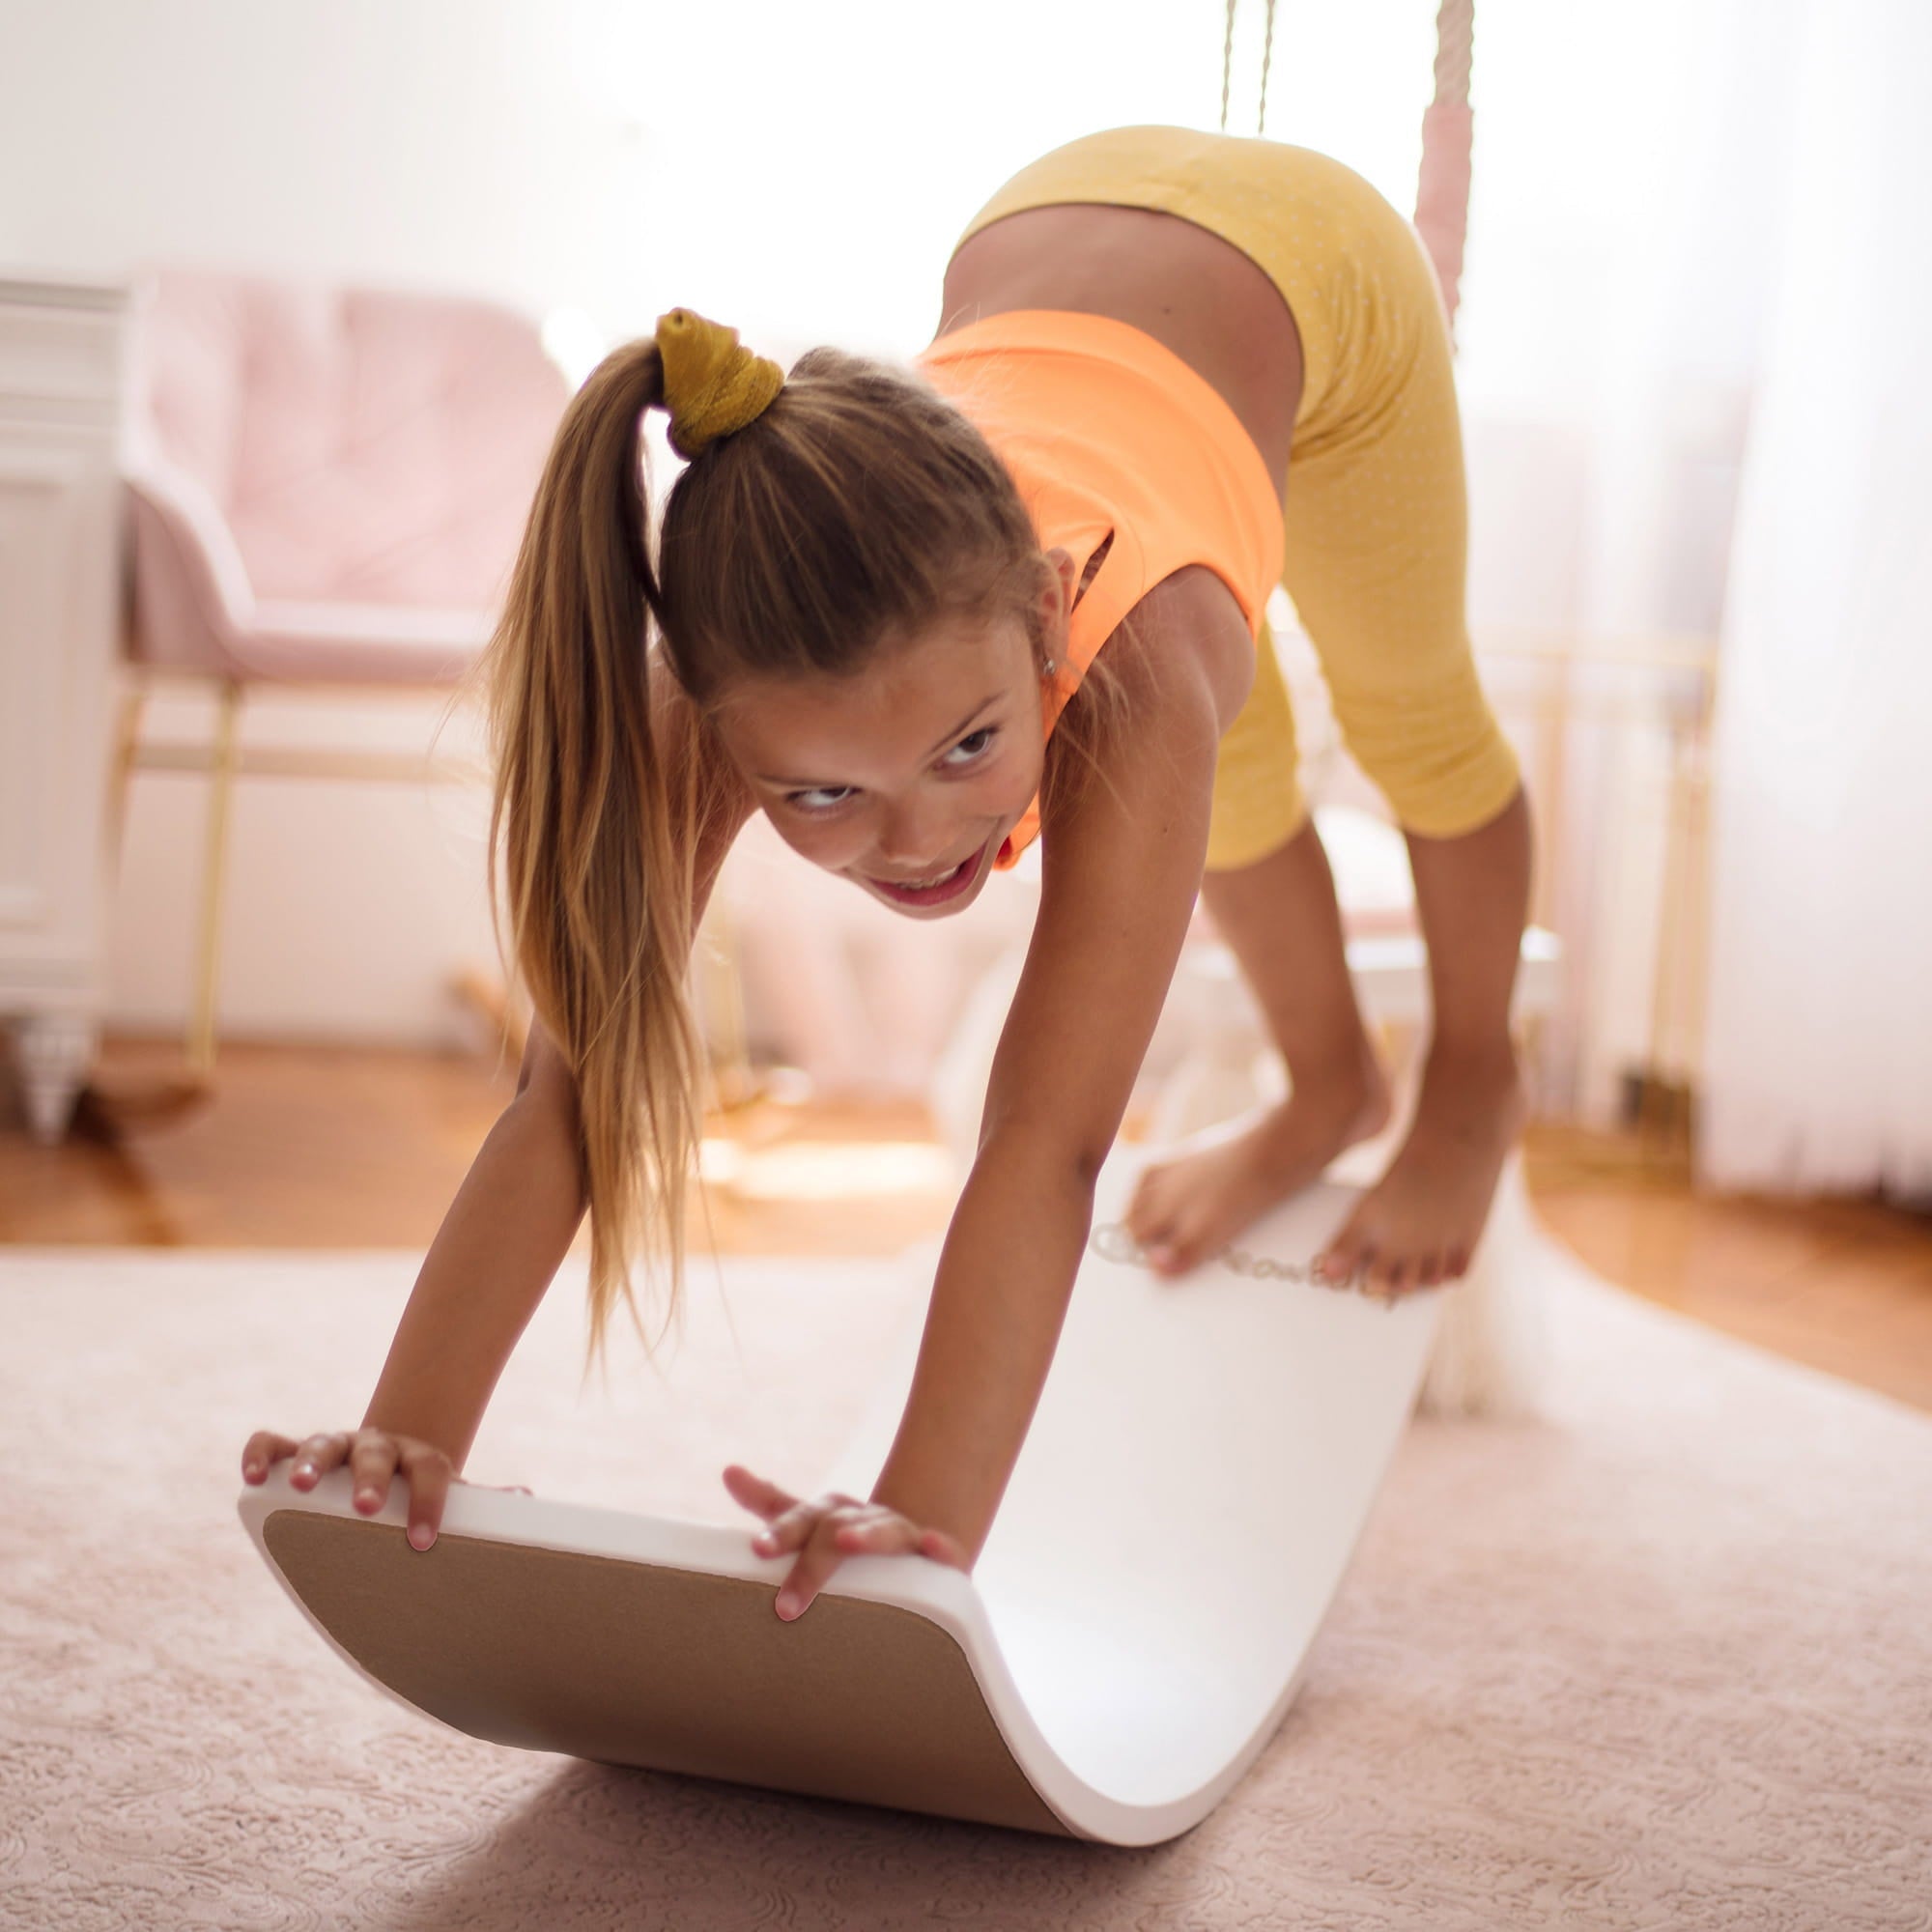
x=1661, y=1658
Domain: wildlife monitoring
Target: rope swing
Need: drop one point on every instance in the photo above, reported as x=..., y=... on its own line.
x=1448, y=132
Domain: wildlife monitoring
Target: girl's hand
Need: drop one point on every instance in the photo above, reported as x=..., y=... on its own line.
x=373, y=1456
x=825, y=1531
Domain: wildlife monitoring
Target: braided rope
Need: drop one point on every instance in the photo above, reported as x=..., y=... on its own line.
x=1455, y=53
x=1442, y=191
x=1268, y=57
x=1227, y=64
x=1455, y=35
x=1442, y=186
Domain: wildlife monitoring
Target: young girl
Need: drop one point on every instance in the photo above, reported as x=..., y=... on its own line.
x=918, y=619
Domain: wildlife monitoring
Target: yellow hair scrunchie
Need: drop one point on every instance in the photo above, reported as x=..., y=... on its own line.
x=711, y=385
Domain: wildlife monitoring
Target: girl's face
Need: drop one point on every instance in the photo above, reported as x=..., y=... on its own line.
x=906, y=776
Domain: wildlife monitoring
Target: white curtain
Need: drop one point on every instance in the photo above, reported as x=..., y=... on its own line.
x=1818, y=1060
x=1628, y=192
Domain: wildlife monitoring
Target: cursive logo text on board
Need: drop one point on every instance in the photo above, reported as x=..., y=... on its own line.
x=1112, y=1242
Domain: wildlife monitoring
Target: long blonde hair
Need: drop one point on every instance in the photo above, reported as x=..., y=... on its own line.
x=859, y=508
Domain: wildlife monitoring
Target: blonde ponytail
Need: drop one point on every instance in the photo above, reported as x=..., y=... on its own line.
x=598, y=853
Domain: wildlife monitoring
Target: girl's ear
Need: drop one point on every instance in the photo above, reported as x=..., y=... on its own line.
x=1056, y=595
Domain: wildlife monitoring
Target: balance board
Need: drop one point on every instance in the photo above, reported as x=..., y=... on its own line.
x=1197, y=1473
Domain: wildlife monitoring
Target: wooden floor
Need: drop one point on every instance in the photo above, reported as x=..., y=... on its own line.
x=339, y=1148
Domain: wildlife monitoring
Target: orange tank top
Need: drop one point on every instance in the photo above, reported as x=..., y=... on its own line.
x=1107, y=432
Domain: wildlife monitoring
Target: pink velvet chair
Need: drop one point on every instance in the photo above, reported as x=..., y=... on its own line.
x=326, y=487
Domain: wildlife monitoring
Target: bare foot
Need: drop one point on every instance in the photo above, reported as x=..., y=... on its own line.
x=1185, y=1211
x=1419, y=1224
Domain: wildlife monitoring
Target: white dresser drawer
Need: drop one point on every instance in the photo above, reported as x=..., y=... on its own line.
x=54, y=351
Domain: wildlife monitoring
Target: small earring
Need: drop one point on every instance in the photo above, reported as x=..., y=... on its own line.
x=1047, y=669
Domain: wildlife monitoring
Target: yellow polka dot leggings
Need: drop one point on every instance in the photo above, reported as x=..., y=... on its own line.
x=1376, y=515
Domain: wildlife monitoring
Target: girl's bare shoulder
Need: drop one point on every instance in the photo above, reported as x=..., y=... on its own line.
x=1193, y=615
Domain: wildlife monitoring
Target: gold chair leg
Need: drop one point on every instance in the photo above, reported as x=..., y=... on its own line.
x=214, y=878
x=127, y=744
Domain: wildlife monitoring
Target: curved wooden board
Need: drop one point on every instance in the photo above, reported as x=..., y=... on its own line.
x=1200, y=1468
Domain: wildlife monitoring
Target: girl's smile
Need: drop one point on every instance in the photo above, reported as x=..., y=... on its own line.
x=941, y=887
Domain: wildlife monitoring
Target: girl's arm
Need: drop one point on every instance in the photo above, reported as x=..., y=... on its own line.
x=519, y=1208
x=1122, y=864
x=502, y=1239
x=500, y=1245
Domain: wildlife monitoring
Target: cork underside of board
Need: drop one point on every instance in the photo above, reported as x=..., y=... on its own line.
x=632, y=1663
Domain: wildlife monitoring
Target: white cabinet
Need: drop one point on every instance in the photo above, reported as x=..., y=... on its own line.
x=62, y=378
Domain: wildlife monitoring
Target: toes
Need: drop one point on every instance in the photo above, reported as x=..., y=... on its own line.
x=1339, y=1263
x=1185, y=1242
x=1149, y=1206
x=1175, y=1256
x=1375, y=1270
x=1158, y=1247
x=1381, y=1262
x=1148, y=1222
x=1165, y=1241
